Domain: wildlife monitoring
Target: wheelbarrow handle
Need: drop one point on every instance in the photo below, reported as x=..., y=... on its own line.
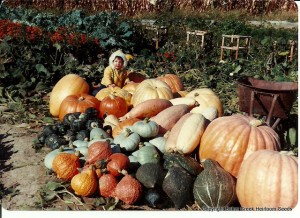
x=270, y=113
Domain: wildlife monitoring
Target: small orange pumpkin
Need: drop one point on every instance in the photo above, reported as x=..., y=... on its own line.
x=116, y=91
x=114, y=105
x=77, y=103
x=66, y=165
x=173, y=81
x=85, y=183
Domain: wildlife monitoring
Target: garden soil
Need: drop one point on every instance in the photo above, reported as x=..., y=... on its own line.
x=23, y=174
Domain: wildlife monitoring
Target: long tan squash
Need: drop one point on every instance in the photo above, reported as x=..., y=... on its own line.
x=70, y=84
x=148, y=108
x=167, y=118
x=186, y=134
x=190, y=102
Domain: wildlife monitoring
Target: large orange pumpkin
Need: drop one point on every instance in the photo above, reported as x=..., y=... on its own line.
x=77, y=103
x=116, y=91
x=206, y=98
x=151, y=89
x=173, y=81
x=70, y=84
x=231, y=139
x=268, y=179
x=114, y=105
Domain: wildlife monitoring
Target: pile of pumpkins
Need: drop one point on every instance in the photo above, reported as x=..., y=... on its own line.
x=152, y=140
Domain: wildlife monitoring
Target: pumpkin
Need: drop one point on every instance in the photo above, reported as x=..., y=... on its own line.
x=206, y=98
x=117, y=164
x=128, y=190
x=77, y=103
x=107, y=185
x=147, y=154
x=214, y=187
x=116, y=91
x=148, y=108
x=128, y=140
x=268, y=179
x=85, y=183
x=48, y=160
x=99, y=150
x=180, y=94
x=130, y=87
x=122, y=125
x=230, y=140
x=151, y=89
x=114, y=105
x=70, y=84
x=167, y=118
x=66, y=165
x=146, y=128
x=185, y=135
x=173, y=81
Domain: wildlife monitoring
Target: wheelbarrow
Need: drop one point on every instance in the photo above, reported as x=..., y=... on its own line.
x=267, y=98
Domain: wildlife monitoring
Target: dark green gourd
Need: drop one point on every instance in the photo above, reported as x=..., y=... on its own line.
x=214, y=187
x=178, y=185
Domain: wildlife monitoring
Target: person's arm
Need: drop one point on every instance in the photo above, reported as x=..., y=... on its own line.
x=107, y=77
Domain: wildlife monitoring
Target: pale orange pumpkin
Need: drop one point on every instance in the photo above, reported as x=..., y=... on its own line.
x=151, y=89
x=173, y=81
x=114, y=105
x=268, y=179
x=70, y=84
x=77, y=103
x=116, y=91
x=206, y=98
x=85, y=183
x=230, y=140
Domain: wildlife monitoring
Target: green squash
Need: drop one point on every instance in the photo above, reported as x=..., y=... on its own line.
x=146, y=128
x=214, y=187
x=128, y=140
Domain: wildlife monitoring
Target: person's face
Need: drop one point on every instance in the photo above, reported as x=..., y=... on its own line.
x=118, y=63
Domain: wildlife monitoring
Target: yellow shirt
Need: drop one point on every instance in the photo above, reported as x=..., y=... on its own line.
x=113, y=76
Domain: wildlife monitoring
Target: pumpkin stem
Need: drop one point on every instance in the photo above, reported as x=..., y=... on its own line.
x=146, y=120
x=255, y=123
x=197, y=104
x=112, y=96
x=141, y=144
x=81, y=98
x=196, y=94
x=127, y=132
x=61, y=148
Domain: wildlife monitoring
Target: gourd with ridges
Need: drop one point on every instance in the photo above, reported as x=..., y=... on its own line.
x=231, y=139
x=268, y=179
